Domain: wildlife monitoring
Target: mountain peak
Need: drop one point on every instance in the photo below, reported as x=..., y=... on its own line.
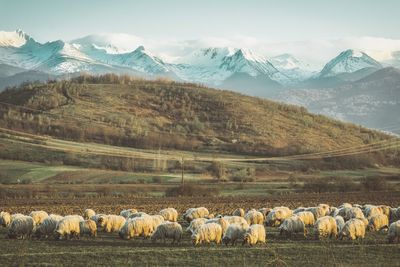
x=16, y=38
x=349, y=61
x=140, y=49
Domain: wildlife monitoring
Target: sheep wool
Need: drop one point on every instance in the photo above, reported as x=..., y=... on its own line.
x=377, y=222
x=38, y=216
x=353, y=229
x=254, y=217
x=169, y=214
x=238, y=212
x=168, y=230
x=206, y=233
x=292, y=225
x=21, y=227
x=325, y=227
x=254, y=234
x=88, y=213
x=307, y=217
x=111, y=223
x=234, y=233
x=394, y=232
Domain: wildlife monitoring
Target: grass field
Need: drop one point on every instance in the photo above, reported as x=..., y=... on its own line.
x=108, y=250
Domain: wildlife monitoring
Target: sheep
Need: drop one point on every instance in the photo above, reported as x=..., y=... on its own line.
x=291, y=226
x=325, y=227
x=169, y=214
x=339, y=222
x=370, y=211
x=96, y=217
x=254, y=217
x=38, y=216
x=68, y=227
x=140, y=226
x=299, y=209
x=5, y=218
x=235, y=219
x=355, y=213
x=111, y=223
x=353, y=229
x=318, y=212
x=378, y=222
x=277, y=216
x=138, y=214
x=88, y=227
x=155, y=220
x=345, y=205
x=221, y=221
x=88, y=213
x=194, y=213
x=307, y=217
x=21, y=227
x=48, y=226
x=343, y=212
x=166, y=230
x=254, y=234
x=332, y=211
x=127, y=213
x=234, y=232
x=265, y=211
x=325, y=208
x=385, y=210
x=207, y=233
x=195, y=224
x=394, y=214
x=394, y=232
x=238, y=212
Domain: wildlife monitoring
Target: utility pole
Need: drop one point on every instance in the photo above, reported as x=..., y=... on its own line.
x=182, y=169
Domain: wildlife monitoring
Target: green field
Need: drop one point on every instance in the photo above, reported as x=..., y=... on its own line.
x=107, y=250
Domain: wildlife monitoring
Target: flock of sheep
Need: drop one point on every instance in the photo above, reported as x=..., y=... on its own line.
x=346, y=221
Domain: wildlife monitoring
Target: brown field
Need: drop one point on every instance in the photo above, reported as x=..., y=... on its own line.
x=107, y=249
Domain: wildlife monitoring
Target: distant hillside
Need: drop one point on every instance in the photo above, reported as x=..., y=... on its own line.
x=373, y=101
x=162, y=114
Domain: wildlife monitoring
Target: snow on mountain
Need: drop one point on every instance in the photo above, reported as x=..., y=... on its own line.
x=112, y=43
x=349, y=61
x=214, y=65
x=13, y=39
x=292, y=67
x=394, y=59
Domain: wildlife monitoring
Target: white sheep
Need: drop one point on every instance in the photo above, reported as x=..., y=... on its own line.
x=371, y=211
x=138, y=214
x=88, y=227
x=238, y=212
x=195, y=224
x=385, y=210
x=169, y=214
x=207, y=233
x=265, y=211
x=325, y=227
x=128, y=212
x=291, y=226
x=221, y=221
x=345, y=205
x=353, y=229
x=96, y=217
x=254, y=234
x=111, y=223
x=343, y=212
x=277, y=216
x=139, y=226
x=254, y=217
x=38, y=216
x=21, y=227
x=88, y=213
x=355, y=213
x=234, y=233
x=5, y=218
x=172, y=230
x=235, y=219
x=394, y=232
x=156, y=220
x=194, y=213
x=307, y=217
x=68, y=227
x=378, y=222
x=48, y=226
x=318, y=212
x=299, y=209
x=325, y=208
x=339, y=222
x=394, y=214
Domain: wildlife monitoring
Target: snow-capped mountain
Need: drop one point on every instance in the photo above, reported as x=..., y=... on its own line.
x=292, y=67
x=349, y=61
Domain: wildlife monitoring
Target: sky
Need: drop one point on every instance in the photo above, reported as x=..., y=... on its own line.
x=264, y=25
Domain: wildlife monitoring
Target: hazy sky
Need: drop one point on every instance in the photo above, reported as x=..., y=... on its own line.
x=315, y=30
x=272, y=21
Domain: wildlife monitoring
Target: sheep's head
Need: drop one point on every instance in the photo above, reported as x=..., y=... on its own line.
x=226, y=240
x=246, y=239
x=195, y=239
x=101, y=221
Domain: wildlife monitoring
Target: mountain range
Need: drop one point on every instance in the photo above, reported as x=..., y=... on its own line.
x=283, y=77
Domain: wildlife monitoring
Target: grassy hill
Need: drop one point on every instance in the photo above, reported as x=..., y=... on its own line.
x=161, y=114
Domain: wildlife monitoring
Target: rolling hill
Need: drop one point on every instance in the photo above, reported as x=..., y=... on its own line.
x=162, y=114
